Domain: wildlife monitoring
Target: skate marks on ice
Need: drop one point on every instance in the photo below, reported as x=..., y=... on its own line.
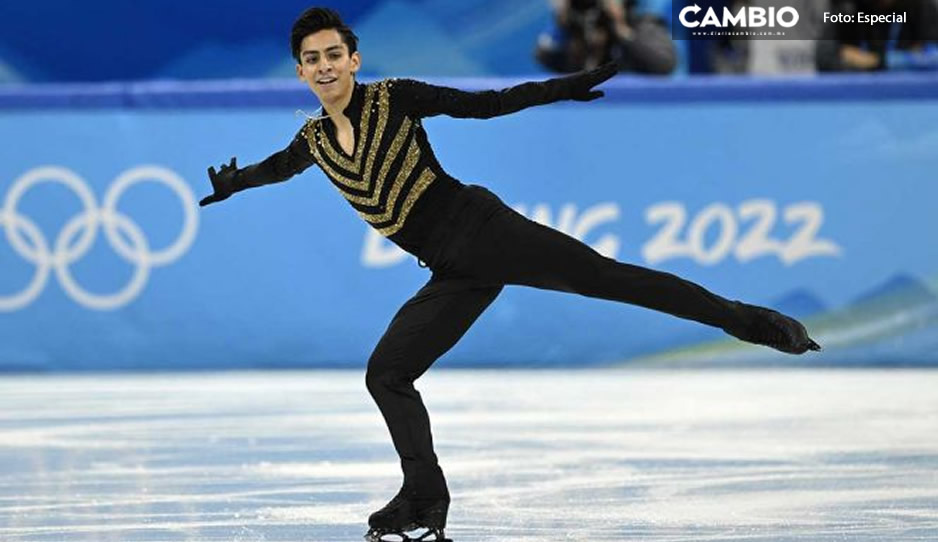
x=702, y=456
x=540, y=455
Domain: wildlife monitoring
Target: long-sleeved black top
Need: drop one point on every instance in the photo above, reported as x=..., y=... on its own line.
x=392, y=178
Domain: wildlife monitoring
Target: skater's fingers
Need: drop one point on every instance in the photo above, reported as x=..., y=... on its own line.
x=211, y=172
x=589, y=96
x=229, y=166
x=813, y=345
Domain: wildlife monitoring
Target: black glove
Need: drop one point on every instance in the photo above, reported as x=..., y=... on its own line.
x=223, y=183
x=579, y=86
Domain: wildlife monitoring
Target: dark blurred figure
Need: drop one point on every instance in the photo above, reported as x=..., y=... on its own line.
x=794, y=55
x=588, y=33
x=865, y=47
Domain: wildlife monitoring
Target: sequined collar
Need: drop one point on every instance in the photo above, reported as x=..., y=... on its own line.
x=353, y=110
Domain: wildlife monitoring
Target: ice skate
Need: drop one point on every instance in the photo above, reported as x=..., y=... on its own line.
x=406, y=514
x=773, y=329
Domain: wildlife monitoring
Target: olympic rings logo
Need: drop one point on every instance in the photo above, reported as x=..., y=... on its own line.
x=85, y=226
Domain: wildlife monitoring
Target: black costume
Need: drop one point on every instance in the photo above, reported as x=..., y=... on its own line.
x=473, y=243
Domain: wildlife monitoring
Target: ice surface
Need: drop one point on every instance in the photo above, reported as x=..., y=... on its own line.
x=536, y=455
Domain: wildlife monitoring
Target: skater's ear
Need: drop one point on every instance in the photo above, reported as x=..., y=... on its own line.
x=355, y=62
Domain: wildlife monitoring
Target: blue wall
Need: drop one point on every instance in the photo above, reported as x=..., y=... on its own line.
x=64, y=40
x=816, y=199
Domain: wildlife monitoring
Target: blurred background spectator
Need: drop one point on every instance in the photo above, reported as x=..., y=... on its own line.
x=864, y=47
x=789, y=56
x=215, y=39
x=826, y=47
x=587, y=33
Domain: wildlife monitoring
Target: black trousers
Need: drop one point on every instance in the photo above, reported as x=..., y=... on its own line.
x=482, y=246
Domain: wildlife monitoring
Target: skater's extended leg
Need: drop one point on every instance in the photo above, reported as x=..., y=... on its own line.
x=424, y=328
x=512, y=249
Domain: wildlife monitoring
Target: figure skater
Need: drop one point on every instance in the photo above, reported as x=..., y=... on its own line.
x=370, y=143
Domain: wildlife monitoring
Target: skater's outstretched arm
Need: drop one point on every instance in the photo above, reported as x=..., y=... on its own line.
x=278, y=167
x=425, y=100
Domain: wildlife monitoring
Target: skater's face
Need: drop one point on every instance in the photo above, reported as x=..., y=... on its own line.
x=327, y=67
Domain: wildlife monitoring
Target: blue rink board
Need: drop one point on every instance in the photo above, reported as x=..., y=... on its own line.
x=777, y=193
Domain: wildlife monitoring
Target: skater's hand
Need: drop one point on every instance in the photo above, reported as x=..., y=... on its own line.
x=580, y=85
x=223, y=182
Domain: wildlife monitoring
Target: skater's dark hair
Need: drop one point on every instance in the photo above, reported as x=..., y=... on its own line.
x=315, y=19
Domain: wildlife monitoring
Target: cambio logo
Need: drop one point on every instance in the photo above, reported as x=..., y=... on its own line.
x=27, y=240
x=745, y=17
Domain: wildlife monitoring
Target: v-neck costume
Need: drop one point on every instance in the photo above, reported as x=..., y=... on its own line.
x=392, y=178
x=332, y=132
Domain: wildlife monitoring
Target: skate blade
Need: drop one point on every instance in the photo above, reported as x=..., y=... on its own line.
x=428, y=535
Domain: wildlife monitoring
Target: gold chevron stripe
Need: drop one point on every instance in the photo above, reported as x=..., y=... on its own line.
x=386, y=162
x=327, y=169
x=354, y=166
x=410, y=160
x=333, y=174
x=309, y=130
x=426, y=177
x=383, y=110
